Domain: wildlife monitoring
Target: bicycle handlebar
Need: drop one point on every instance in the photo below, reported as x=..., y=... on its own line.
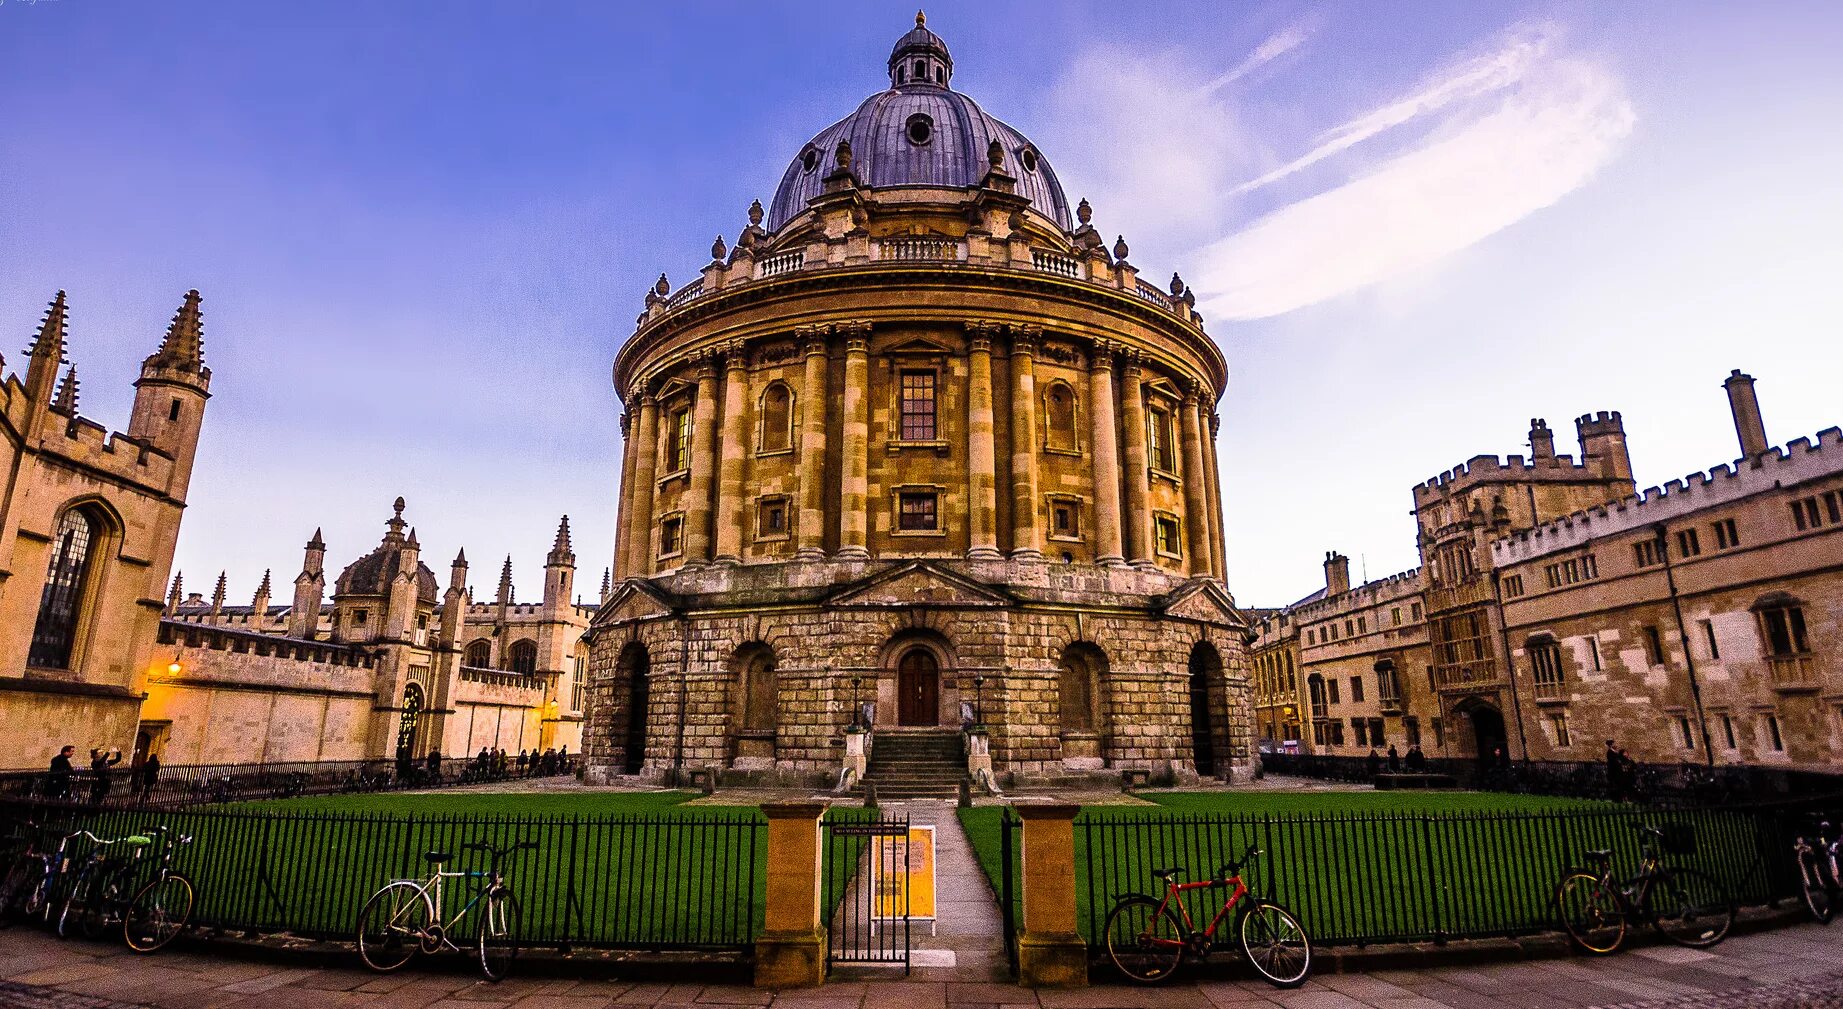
x=496, y=854
x=1232, y=868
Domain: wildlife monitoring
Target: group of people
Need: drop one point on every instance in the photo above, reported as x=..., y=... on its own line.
x=1416, y=761
x=61, y=777
x=528, y=764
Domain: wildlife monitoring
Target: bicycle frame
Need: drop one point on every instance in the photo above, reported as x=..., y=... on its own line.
x=1174, y=896
x=430, y=889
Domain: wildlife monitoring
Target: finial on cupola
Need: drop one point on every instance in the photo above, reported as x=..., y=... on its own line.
x=843, y=154
x=1083, y=212
x=1119, y=248
x=755, y=212
x=718, y=250
x=995, y=153
x=921, y=18
x=1177, y=285
x=661, y=287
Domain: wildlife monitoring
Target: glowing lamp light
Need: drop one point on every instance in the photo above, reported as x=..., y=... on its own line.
x=173, y=668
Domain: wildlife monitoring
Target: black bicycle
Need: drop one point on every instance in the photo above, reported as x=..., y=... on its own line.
x=98, y=895
x=1818, y=851
x=160, y=909
x=1686, y=906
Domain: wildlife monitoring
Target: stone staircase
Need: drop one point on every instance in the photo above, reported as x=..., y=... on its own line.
x=915, y=764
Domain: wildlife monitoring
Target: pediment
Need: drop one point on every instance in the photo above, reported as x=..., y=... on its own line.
x=919, y=584
x=1205, y=602
x=919, y=345
x=674, y=387
x=633, y=600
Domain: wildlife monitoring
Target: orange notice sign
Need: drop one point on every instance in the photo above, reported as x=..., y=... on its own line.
x=902, y=874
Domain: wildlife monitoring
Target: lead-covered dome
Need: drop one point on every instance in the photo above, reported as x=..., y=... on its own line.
x=920, y=132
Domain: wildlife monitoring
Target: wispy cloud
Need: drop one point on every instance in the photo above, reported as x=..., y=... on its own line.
x=1549, y=127
x=1272, y=48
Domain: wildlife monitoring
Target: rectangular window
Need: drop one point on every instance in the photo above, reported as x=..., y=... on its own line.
x=1590, y=567
x=1688, y=544
x=678, y=451
x=1644, y=553
x=1412, y=727
x=1331, y=685
x=1395, y=615
x=1833, y=505
x=1558, y=727
x=1376, y=735
x=1593, y=653
x=359, y=616
x=1785, y=630
x=1439, y=734
x=1513, y=587
x=1727, y=732
x=1726, y=536
x=1362, y=625
x=1356, y=689
x=771, y=520
x=1166, y=533
x=1337, y=733
x=1685, y=738
x=1359, y=730
x=1654, y=645
x=1414, y=611
x=1065, y=519
x=1545, y=660
x=1347, y=630
x=916, y=511
x=671, y=537
x=1804, y=514
x=918, y=406
x=1708, y=637
x=1158, y=440
x=1773, y=740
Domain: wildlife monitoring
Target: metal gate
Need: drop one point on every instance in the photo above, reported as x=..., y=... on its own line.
x=1008, y=882
x=865, y=890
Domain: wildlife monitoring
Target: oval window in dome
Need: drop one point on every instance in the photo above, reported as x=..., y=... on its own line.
x=1028, y=159
x=920, y=129
x=809, y=160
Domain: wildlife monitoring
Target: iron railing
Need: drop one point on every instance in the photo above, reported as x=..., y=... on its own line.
x=674, y=881
x=1374, y=878
x=864, y=888
x=182, y=784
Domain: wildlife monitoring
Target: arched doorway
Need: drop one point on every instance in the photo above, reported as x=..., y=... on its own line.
x=755, y=704
x=918, y=688
x=633, y=670
x=1205, y=669
x=1490, y=742
x=1081, y=707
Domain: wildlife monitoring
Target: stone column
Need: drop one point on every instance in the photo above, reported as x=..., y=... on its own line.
x=703, y=462
x=624, y=517
x=790, y=952
x=1217, y=546
x=1138, y=507
x=854, y=480
x=1106, y=455
x=1196, y=488
x=646, y=469
x=1051, y=954
x=810, y=534
x=734, y=457
x=1026, y=536
x=981, y=452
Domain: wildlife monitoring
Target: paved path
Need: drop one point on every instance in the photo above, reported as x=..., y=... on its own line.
x=1801, y=966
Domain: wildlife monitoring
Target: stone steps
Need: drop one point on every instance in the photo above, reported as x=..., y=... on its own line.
x=915, y=765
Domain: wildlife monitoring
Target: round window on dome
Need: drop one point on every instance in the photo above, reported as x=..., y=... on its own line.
x=1028, y=159
x=920, y=129
x=809, y=160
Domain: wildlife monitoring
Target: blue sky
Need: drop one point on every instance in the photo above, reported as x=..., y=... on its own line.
x=422, y=229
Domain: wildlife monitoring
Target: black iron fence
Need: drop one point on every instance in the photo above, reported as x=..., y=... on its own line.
x=656, y=882
x=864, y=888
x=1659, y=783
x=1371, y=878
x=181, y=784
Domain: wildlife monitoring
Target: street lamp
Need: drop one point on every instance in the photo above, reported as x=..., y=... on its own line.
x=857, y=706
x=979, y=700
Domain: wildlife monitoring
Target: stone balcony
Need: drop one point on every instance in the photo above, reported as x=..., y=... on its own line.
x=1795, y=673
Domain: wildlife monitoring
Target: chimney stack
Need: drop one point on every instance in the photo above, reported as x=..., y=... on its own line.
x=1746, y=408
x=1541, y=439
x=1337, y=574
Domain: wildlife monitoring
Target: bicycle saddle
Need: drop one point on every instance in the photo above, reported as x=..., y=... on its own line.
x=1601, y=854
x=436, y=857
x=1168, y=873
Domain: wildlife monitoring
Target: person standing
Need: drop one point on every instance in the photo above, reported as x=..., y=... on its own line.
x=57, y=781
x=524, y=762
x=1615, y=773
x=100, y=763
x=1394, y=759
x=150, y=773
x=1373, y=763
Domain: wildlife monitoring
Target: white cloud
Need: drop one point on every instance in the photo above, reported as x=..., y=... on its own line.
x=1272, y=48
x=1544, y=132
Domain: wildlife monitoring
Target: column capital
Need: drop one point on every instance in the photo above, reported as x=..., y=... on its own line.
x=855, y=329
x=702, y=364
x=812, y=339
x=1100, y=358
x=648, y=398
x=1192, y=391
x=736, y=354
x=626, y=422
x=1215, y=423
x=1024, y=339
x=1132, y=363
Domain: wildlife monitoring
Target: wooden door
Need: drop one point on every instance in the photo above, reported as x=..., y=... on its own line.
x=918, y=689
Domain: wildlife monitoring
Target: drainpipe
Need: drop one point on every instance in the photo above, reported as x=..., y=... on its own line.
x=1676, y=606
x=1503, y=631
x=684, y=677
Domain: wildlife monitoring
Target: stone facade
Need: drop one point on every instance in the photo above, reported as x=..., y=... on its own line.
x=929, y=435
x=1701, y=621
x=88, y=520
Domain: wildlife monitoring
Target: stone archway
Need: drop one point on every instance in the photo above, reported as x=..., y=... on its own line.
x=632, y=671
x=755, y=706
x=1205, y=674
x=1081, y=706
x=917, y=685
x=1489, y=738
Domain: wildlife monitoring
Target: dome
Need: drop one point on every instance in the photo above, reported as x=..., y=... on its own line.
x=371, y=574
x=920, y=132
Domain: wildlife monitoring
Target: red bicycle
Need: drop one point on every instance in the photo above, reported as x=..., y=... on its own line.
x=1147, y=937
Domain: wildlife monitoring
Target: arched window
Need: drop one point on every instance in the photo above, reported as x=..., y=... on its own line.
x=479, y=654
x=410, y=720
x=758, y=697
x=1077, y=683
x=60, y=605
x=1059, y=420
x=777, y=418
x=522, y=657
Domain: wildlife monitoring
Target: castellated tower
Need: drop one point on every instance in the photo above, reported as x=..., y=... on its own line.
x=86, y=542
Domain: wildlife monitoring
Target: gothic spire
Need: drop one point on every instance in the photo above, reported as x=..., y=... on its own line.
x=46, y=354
x=185, y=337
x=177, y=593
x=66, y=399
x=505, y=582
x=262, y=591
x=560, y=552
x=607, y=583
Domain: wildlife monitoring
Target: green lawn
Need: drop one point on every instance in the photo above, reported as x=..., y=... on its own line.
x=1367, y=866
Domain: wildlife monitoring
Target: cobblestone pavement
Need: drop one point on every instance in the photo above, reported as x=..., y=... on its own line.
x=1800, y=966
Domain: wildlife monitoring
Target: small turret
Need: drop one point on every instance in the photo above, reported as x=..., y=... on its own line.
x=47, y=352
x=504, y=599
x=309, y=590
x=559, y=572
x=217, y=598
x=169, y=397
x=259, y=606
x=1541, y=439
x=1745, y=406
x=454, y=602
x=176, y=594
x=1603, y=444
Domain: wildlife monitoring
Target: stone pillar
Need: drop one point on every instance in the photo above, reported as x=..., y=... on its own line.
x=1026, y=535
x=1106, y=456
x=731, y=478
x=624, y=518
x=1138, y=517
x=810, y=534
x=1215, y=499
x=1196, y=488
x=854, y=480
x=981, y=451
x=646, y=469
x=790, y=952
x=703, y=462
x=1051, y=954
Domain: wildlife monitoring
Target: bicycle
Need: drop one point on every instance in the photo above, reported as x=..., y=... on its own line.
x=1818, y=854
x=404, y=916
x=96, y=895
x=1148, y=937
x=1685, y=906
x=160, y=910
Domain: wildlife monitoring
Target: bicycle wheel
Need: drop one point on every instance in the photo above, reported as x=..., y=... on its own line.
x=108, y=899
x=17, y=886
x=158, y=913
x=1819, y=896
x=392, y=924
x=1590, y=913
x=498, y=936
x=1276, y=945
x=1145, y=943
x=76, y=904
x=1690, y=908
